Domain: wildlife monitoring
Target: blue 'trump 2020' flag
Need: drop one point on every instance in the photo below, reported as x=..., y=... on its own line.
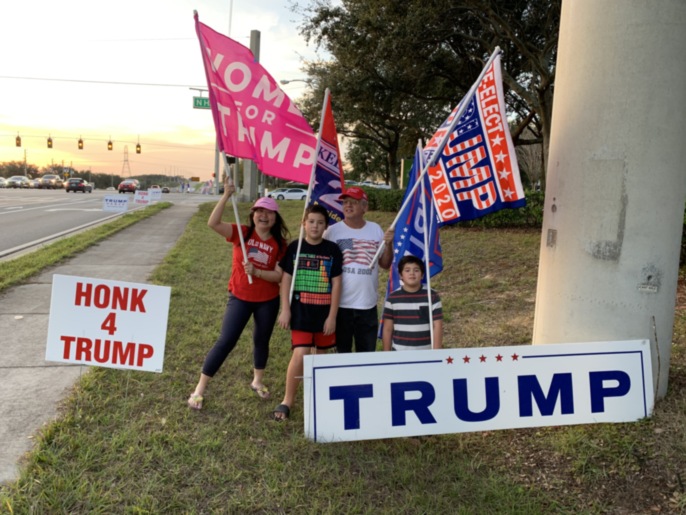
x=476, y=171
x=416, y=232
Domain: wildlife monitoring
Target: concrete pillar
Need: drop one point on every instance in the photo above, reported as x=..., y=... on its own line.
x=616, y=177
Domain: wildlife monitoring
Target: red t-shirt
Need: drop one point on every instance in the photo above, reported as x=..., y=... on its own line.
x=263, y=254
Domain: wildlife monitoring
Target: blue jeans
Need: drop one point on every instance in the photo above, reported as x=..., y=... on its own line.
x=236, y=317
x=360, y=324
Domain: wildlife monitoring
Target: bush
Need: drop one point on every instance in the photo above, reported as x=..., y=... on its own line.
x=384, y=200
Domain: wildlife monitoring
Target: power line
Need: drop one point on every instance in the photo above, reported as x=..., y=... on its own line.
x=103, y=82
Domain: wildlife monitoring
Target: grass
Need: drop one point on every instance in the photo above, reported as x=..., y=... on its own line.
x=127, y=443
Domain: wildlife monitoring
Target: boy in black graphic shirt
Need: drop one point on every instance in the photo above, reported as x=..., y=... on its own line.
x=311, y=313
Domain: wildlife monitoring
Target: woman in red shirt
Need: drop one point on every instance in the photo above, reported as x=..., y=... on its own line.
x=266, y=239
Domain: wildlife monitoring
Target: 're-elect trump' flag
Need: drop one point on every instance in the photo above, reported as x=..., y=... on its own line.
x=474, y=170
x=253, y=117
x=328, y=181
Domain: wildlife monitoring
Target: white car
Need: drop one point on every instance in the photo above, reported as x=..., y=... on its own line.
x=288, y=194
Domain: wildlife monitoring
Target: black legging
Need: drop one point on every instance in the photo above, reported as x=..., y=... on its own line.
x=236, y=317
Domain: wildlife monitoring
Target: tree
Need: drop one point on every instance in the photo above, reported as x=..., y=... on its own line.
x=366, y=161
x=375, y=97
x=10, y=168
x=397, y=68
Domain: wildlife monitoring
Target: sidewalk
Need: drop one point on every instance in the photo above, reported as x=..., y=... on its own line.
x=30, y=387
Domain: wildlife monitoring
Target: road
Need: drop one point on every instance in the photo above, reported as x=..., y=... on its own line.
x=32, y=217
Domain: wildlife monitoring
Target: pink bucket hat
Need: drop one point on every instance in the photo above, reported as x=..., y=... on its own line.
x=265, y=203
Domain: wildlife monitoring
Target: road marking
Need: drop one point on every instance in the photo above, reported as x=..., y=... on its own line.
x=72, y=209
x=43, y=207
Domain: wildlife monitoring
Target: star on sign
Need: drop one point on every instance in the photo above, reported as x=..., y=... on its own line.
x=500, y=157
x=508, y=192
x=496, y=141
x=504, y=174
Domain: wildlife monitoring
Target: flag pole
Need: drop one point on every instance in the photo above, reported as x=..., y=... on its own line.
x=227, y=171
x=309, y=192
x=460, y=110
x=427, y=260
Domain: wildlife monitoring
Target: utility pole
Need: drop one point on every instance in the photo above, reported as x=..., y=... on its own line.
x=251, y=179
x=615, y=188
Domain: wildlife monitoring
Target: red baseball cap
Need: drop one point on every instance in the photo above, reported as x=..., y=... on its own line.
x=354, y=192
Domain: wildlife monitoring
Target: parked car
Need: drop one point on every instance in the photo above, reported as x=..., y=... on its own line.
x=288, y=194
x=165, y=189
x=3, y=182
x=77, y=184
x=35, y=183
x=51, y=181
x=18, y=181
x=129, y=186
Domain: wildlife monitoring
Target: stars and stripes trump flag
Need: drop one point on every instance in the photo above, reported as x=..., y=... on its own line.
x=470, y=160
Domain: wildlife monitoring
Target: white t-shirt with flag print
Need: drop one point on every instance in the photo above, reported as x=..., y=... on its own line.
x=359, y=246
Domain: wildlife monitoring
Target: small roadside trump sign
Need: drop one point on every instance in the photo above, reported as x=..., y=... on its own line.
x=104, y=323
x=155, y=194
x=411, y=393
x=115, y=203
x=142, y=197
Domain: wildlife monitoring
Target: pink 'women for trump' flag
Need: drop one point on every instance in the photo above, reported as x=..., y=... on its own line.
x=253, y=117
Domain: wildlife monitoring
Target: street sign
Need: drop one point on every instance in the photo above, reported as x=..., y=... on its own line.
x=201, y=103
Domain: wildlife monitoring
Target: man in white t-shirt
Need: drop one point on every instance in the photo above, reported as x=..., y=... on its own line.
x=359, y=240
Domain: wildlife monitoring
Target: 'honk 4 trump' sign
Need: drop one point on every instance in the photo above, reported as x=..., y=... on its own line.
x=396, y=394
x=106, y=323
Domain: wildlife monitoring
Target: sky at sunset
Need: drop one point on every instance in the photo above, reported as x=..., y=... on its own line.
x=122, y=70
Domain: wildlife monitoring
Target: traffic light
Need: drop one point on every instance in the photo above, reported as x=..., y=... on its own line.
x=109, y=145
x=18, y=141
x=138, y=148
x=80, y=144
x=49, y=142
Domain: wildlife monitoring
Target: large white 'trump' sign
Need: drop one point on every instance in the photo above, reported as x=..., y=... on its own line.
x=395, y=394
